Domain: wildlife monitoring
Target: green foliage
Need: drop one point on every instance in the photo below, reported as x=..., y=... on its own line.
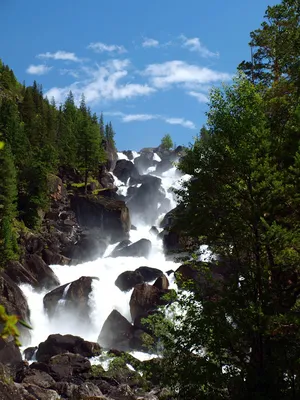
x=167, y=142
x=238, y=337
x=10, y=328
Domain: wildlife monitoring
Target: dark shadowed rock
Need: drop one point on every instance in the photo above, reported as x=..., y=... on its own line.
x=10, y=354
x=53, y=258
x=161, y=283
x=111, y=155
x=89, y=247
x=145, y=298
x=109, y=215
x=144, y=161
x=67, y=365
x=75, y=296
x=141, y=248
x=38, y=393
x=43, y=274
x=128, y=279
x=163, y=166
x=168, y=219
x=154, y=231
x=20, y=274
x=59, y=344
x=126, y=169
x=120, y=246
x=128, y=153
x=39, y=378
x=118, y=333
x=14, y=301
x=149, y=274
x=106, y=179
x=29, y=353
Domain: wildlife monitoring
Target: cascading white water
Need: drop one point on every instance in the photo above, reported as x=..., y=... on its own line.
x=105, y=295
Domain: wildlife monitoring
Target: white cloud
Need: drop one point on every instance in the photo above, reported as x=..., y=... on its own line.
x=71, y=72
x=181, y=73
x=104, y=83
x=60, y=55
x=147, y=117
x=180, y=121
x=194, y=44
x=100, y=47
x=148, y=42
x=40, y=69
x=202, y=98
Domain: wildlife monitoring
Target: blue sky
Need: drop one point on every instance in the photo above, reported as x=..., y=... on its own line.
x=148, y=65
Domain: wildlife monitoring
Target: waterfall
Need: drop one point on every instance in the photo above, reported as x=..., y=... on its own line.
x=105, y=295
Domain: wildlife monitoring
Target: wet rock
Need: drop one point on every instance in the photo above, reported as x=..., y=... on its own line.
x=129, y=154
x=14, y=301
x=106, y=179
x=19, y=274
x=89, y=247
x=59, y=344
x=118, y=333
x=119, y=247
x=139, y=203
x=122, y=392
x=52, y=258
x=144, y=161
x=149, y=274
x=128, y=279
x=154, y=231
x=163, y=166
x=161, y=283
x=168, y=219
x=29, y=353
x=43, y=274
x=109, y=215
x=145, y=298
x=75, y=296
x=141, y=248
x=39, y=378
x=111, y=155
x=125, y=170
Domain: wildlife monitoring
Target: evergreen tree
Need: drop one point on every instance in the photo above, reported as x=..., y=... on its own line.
x=167, y=142
x=8, y=208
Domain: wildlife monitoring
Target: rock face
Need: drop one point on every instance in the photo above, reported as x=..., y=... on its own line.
x=125, y=170
x=59, y=344
x=145, y=160
x=108, y=215
x=161, y=283
x=139, y=204
x=118, y=333
x=75, y=296
x=111, y=155
x=14, y=301
x=145, y=298
x=43, y=274
x=141, y=248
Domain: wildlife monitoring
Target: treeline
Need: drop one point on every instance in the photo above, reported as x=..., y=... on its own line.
x=238, y=336
x=40, y=137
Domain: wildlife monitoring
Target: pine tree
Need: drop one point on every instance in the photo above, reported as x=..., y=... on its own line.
x=8, y=207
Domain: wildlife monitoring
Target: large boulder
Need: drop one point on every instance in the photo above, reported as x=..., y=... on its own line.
x=120, y=246
x=59, y=344
x=106, y=179
x=118, y=333
x=109, y=215
x=42, y=273
x=125, y=170
x=163, y=166
x=89, y=247
x=141, y=248
x=128, y=279
x=161, y=283
x=145, y=160
x=145, y=298
x=14, y=301
x=149, y=274
x=67, y=365
x=19, y=274
x=39, y=378
x=10, y=354
x=75, y=297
